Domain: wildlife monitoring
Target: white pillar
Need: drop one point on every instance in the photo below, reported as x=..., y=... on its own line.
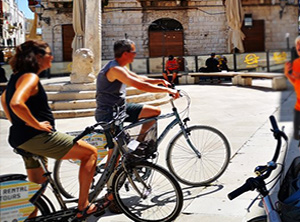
x=92, y=39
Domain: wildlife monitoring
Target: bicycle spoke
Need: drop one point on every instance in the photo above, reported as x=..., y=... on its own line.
x=160, y=201
x=185, y=164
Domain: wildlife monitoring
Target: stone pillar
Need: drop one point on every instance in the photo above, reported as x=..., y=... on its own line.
x=92, y=39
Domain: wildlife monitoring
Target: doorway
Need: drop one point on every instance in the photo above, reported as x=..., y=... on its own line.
x=68, y=35
x=166, y=38
x=255, y=37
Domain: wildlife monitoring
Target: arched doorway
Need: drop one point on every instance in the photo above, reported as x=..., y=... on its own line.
x=165, y=38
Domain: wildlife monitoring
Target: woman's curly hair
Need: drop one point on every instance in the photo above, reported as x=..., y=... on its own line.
x=25, y=58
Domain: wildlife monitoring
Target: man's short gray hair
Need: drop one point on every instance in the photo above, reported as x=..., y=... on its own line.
x=121, y=46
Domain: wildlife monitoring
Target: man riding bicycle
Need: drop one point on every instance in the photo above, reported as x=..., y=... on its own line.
x=111, y=91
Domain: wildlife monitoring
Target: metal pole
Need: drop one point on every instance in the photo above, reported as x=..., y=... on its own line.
x=234, y=62
x=196, y=64
x=268, y=61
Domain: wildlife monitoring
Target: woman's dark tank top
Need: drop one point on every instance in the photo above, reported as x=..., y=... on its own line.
x=38, y=105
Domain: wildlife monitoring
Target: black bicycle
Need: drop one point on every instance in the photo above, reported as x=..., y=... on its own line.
x=143, y=190
x=197, y=155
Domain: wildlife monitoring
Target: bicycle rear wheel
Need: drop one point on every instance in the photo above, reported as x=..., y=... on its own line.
x=198, y=170
x=161, y=198
x=66, y=177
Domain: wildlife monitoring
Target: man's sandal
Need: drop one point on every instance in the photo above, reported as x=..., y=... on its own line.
x=113, y=207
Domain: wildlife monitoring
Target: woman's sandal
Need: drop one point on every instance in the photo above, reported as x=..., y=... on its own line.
x=90, y=209
x=114, y=208
x=98, y=209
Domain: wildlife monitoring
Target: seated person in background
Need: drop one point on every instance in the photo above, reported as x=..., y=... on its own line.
x=212, y=64
x=223, y=63
x=171, y=67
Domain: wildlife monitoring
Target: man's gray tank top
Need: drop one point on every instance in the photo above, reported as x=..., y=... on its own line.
x=109, y=93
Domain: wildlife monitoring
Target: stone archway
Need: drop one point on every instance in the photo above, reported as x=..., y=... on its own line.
x=165, y=38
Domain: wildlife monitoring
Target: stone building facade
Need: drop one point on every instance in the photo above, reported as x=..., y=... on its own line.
x=203, y=25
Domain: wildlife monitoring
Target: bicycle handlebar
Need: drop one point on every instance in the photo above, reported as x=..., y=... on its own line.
x=265, y=171
x=248, y=185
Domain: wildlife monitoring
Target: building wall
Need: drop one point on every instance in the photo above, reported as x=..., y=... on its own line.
x=204, y=30
x=13, y=24
x=53, y=33
x=204, y=24
x=276, y=28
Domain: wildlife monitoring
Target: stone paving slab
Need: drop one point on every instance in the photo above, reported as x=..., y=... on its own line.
x=241, y=113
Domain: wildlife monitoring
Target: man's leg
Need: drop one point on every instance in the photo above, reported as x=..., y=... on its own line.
x=147, y=112
x=174, y=78
x=165, y=75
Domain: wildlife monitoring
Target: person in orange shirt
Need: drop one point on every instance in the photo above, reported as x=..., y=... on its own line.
x=172, y=66
x=292, y=72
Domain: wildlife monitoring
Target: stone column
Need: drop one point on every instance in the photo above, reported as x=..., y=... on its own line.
x=92, y=39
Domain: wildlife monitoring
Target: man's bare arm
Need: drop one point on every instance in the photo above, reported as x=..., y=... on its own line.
x=149, y=80
x=121, y=74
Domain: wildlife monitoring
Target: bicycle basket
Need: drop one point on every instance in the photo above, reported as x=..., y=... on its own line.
x=289, y=194
x=145, y=149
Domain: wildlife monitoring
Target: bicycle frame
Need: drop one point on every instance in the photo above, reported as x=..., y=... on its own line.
x=177, y=120
x=272, y=214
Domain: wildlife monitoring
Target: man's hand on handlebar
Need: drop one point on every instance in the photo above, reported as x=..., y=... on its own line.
x=174, y=93
x=165, y=83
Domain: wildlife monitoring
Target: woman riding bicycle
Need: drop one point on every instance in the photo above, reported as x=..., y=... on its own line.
x=33, y=130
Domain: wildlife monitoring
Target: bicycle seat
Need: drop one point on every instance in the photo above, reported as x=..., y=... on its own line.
x=23, y=152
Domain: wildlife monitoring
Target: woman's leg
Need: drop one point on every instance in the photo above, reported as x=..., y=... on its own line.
x=35, y=175
x=87, y=154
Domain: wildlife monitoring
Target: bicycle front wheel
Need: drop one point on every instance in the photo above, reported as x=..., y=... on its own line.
x=203, y=165
x=147, y=193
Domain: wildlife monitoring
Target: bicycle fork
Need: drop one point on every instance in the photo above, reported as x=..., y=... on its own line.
x=272, y=214
x=186, y=134
x=147, y=189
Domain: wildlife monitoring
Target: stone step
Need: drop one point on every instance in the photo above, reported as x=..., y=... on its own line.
x=142, y=98
x=83, y=94
x=66, y=86
x=58, y=96
x=61, y=114
x=91, y=103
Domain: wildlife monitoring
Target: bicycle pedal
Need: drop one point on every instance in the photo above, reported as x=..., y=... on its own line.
x=99, y=213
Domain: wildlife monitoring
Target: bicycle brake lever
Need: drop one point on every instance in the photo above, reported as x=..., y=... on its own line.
x=259, y=170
